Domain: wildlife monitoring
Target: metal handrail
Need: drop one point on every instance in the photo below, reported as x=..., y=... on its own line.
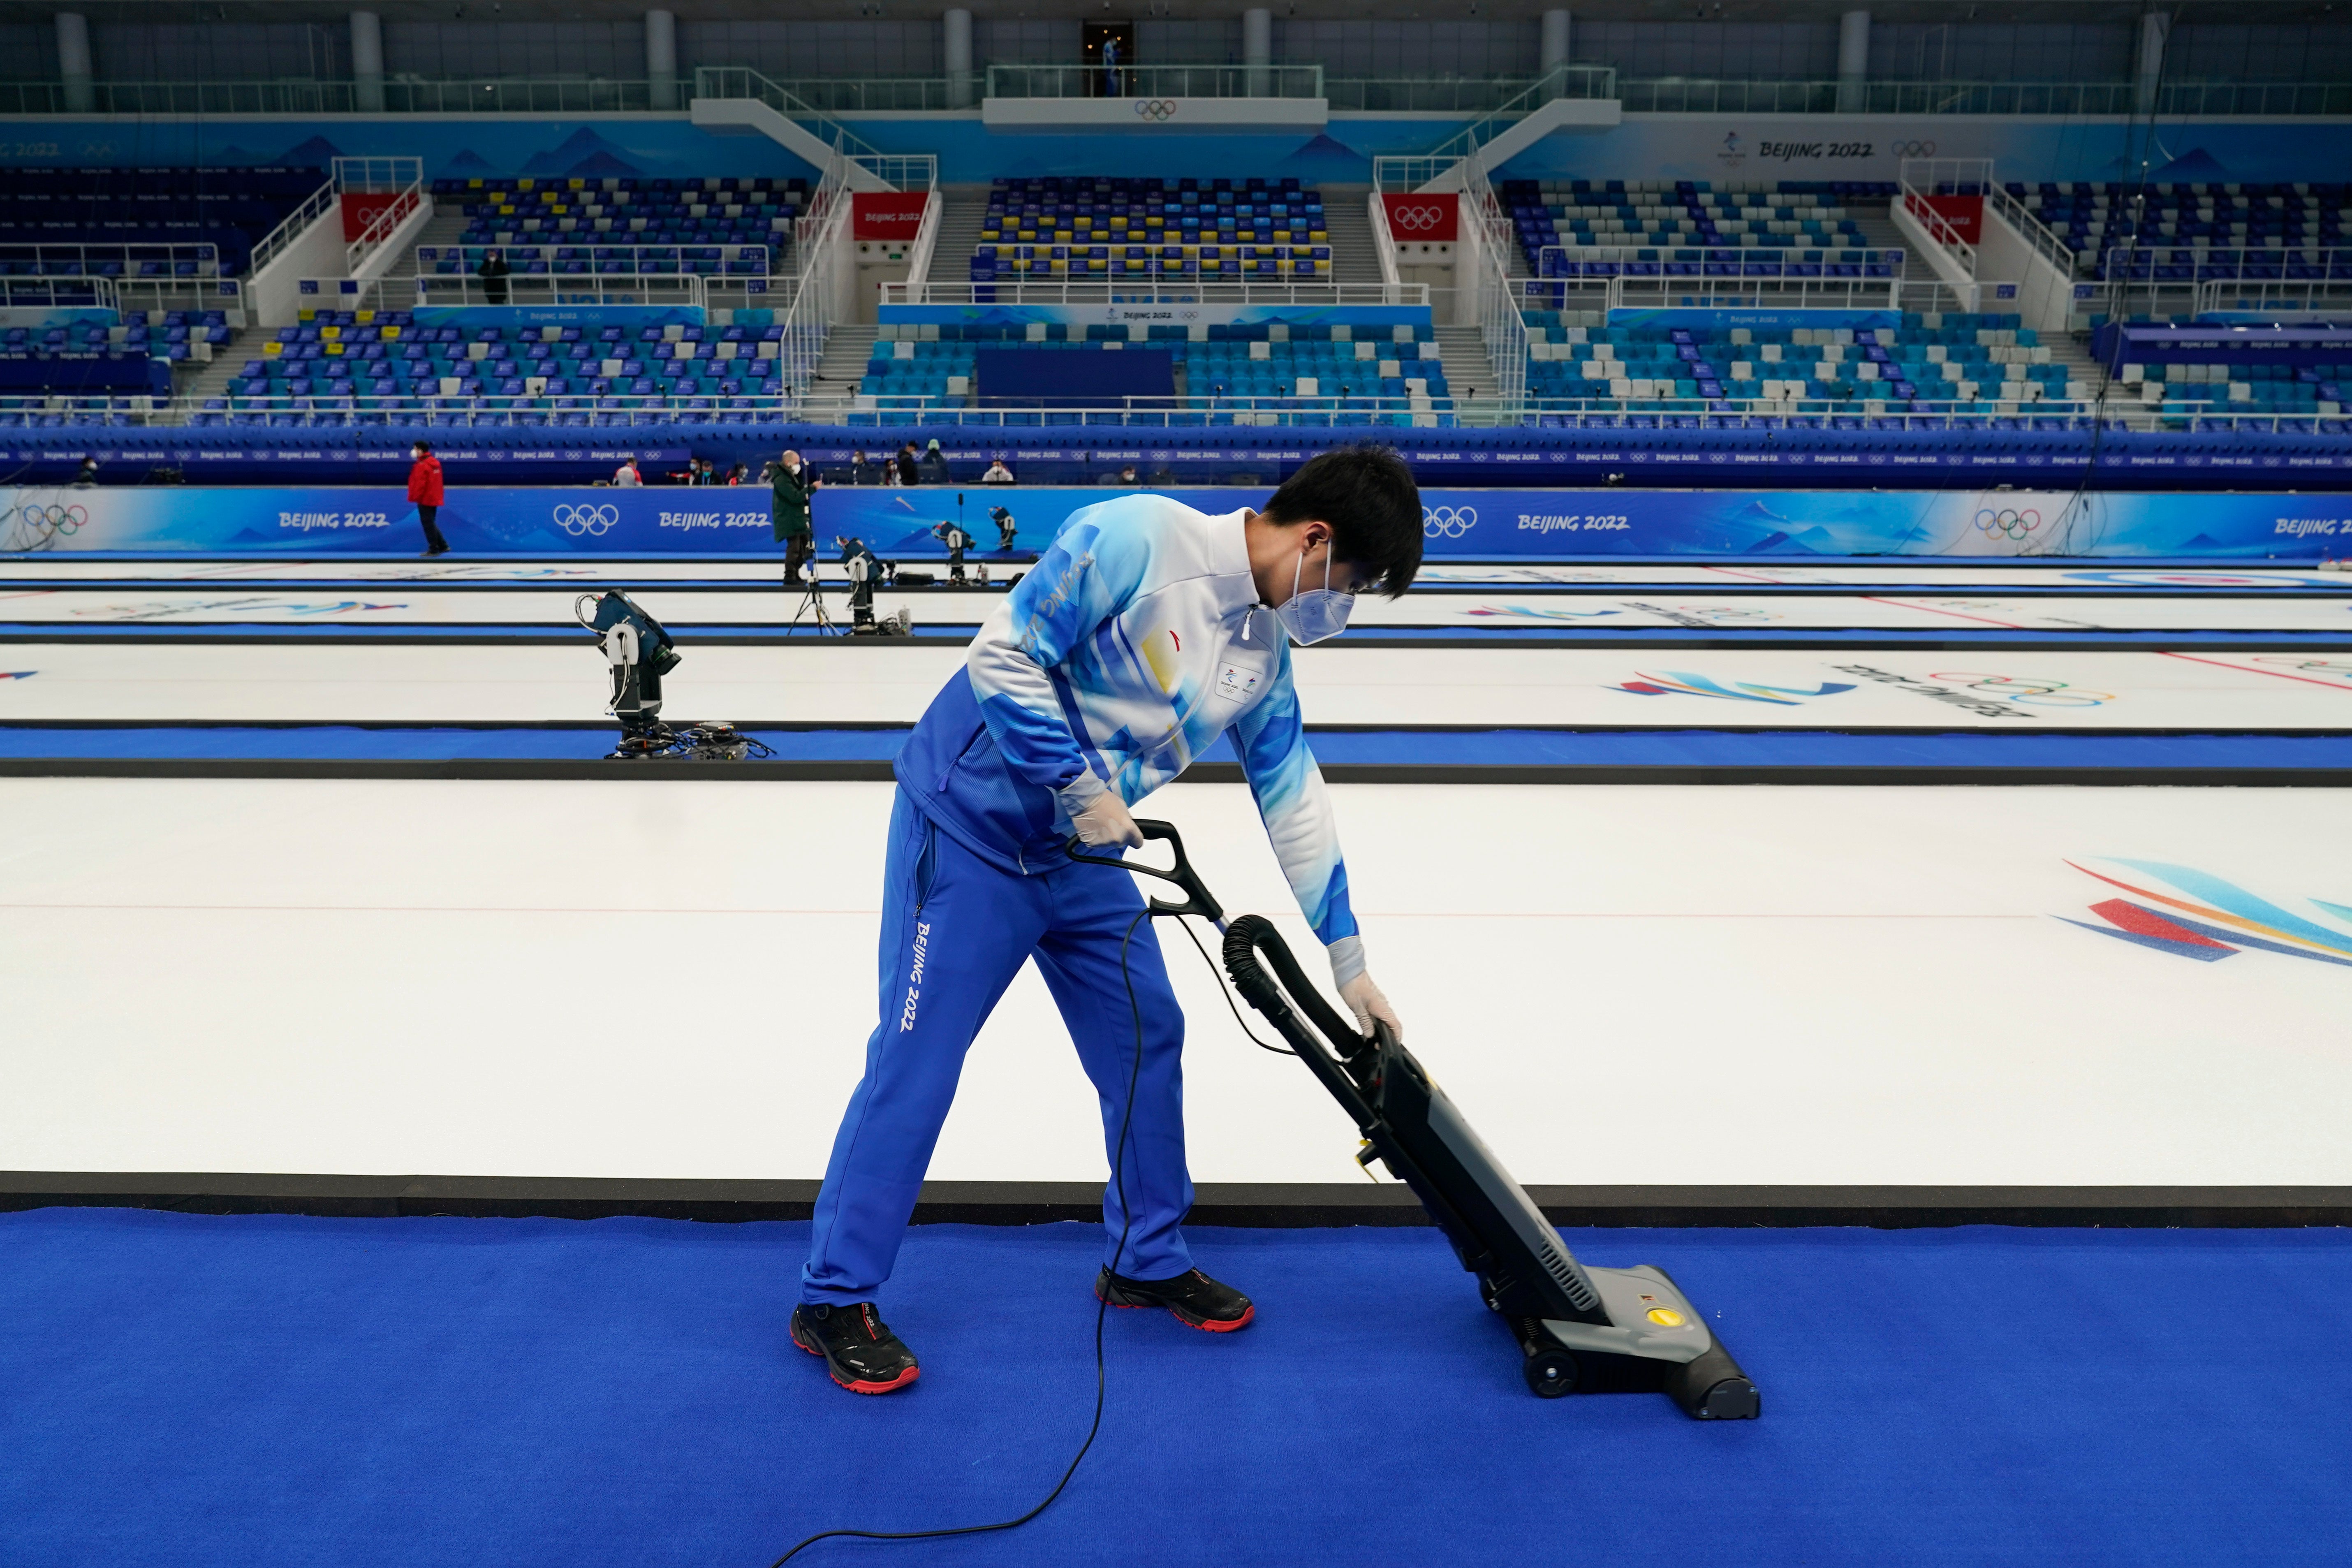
x=1560, y=81
x=401, y=178
x=2237, y=257
x=688, y=289
x=742, y=82
x=636, y=255
x=1500, y=326
x=315, y=206
x=1670, y=95
x=1146, y=291
x=328, y=411
x=522, y=95
x=2038, y=234
x=1154, y=81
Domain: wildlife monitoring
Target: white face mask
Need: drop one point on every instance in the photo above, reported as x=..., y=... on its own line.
x=416, y=454
x=1314, y=614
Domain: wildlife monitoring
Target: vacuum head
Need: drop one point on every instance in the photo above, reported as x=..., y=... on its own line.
x=1579, y=1329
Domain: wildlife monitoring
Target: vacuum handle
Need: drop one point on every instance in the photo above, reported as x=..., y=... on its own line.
x=1197, y=899
x=1324, y=1039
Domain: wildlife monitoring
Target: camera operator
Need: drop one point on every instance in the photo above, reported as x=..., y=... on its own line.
x=788, y=507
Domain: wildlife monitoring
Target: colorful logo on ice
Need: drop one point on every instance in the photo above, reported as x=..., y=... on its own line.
x=18, y=674
x=1683, y=683
x=2206, y=918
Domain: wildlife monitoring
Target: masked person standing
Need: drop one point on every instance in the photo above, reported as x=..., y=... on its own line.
x=425, y=489
x=790, y=490
x=1146, y=631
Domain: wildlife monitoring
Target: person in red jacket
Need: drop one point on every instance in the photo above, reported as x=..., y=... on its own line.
x=425, y=489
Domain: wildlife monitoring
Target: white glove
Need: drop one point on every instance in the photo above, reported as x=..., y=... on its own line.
x=1105, y=821
x=1364, y=999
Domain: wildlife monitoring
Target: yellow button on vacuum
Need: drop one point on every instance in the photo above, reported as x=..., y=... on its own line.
x=1666, y=1316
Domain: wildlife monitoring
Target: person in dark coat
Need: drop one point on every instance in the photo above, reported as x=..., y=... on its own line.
x=493, y=272
x=793, y=484
x=909, y=471
x=862, y=472
x=424, y=488
x=933, y=465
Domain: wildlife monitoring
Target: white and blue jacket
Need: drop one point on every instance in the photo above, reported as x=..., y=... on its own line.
x=1136, y=640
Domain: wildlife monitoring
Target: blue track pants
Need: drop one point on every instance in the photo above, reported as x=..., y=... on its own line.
x=955, y=931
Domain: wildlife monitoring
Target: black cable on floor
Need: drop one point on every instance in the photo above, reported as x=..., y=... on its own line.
x=1102, y=1303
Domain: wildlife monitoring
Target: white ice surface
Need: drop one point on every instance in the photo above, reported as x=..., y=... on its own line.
x=404, y=605
x=836, y=682
x=1716, y=985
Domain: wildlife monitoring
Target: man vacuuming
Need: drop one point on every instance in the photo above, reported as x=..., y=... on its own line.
x=1146, y=631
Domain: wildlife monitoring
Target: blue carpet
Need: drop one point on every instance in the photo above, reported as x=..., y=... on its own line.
x=257, y=1391
x=1613, y=748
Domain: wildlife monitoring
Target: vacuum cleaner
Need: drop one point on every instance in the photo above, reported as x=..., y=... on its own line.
x=1581, y=1329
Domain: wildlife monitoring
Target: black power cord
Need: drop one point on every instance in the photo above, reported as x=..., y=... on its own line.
x=1102, y=1305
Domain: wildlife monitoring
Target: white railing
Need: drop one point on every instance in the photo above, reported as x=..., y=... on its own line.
x=822, y=256
x=1762, y=262
x=2322, y=298
x=1560, y=81
x=226, y=295
x=624, y=258
x=403, y=179
x=682, y=288
x=1500, y=325
x=927, y=240
x=1681, y=95
x=315, y=206
x=901, y=171
x=2023, y=218
x=118, y=258
x=1750, y=293
x=2231, y=264
x=1697, y=414
x=60, y=293
x=741, y=81
x=1154, y=81
x=1383, y=242
x=1147, y=290
x=1402, y=176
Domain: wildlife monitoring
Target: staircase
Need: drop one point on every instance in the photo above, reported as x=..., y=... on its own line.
x=228, y=362
x=1468, y=371
x=847, y=349
x=963, y=213
x=446, y=228
x=1355, y=256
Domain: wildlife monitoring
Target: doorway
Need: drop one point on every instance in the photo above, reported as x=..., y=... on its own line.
x=1108, y=50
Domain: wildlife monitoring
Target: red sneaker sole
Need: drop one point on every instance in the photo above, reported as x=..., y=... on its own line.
x=1206, y=1325
x=896, y=1383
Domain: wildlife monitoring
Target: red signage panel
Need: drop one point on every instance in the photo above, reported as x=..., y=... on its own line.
x=1423, y=217
x=361, y=209
x=1964, y=215
x=886, y=214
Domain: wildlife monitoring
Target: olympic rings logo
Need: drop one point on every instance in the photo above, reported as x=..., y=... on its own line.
x=2008, y=523
x=1447, y=522
x=1156, y=109
x=47, y=521
x=2029, y=691
x=1914, y=149
x=588, y=521
x=1416, y=219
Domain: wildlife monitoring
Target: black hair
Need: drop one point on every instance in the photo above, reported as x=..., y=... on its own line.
x=1368, y=496
x=423, y=446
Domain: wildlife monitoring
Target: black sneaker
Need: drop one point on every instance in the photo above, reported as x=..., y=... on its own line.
x=1193, y=1297
x=859, y=1349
